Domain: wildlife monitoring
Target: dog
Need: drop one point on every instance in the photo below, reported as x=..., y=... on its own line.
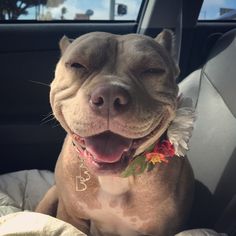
x=115, y=96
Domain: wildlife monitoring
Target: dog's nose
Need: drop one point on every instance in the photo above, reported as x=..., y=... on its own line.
x=110, y=100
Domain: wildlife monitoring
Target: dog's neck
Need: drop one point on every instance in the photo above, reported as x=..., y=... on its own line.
x=115, y=185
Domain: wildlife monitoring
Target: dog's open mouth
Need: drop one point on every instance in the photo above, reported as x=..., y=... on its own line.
x=108, y=151
x=105, y=151
x=107, y=147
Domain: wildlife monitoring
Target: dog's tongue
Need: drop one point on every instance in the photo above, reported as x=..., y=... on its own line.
x=107, y=147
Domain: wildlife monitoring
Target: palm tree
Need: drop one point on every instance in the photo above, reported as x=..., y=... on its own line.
x=63, y=12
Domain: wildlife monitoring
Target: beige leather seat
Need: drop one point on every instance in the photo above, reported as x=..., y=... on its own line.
x=213, y=144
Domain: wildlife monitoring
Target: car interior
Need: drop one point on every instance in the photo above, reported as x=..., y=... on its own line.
x=31, y=138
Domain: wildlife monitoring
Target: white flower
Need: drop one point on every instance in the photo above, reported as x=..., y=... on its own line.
x=180, y=129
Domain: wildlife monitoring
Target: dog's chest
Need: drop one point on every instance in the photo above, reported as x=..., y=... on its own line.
x=111, y=220
x=113, y=217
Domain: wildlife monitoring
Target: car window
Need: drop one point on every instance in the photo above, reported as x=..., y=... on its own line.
x=76, y=10
x=218, y=10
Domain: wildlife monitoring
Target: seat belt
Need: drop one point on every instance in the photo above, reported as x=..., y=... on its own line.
x=178, y=32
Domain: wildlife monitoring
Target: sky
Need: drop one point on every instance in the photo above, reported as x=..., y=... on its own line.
x=99, y=7
x=210, y=8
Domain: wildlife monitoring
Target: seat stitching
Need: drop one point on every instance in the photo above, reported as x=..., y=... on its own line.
x=208, y=78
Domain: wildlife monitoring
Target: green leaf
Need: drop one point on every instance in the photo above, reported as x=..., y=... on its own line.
x=136, y=167
x=150, y=149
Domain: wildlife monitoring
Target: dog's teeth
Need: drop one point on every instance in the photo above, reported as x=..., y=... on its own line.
x=87, y=153
x=79, y=151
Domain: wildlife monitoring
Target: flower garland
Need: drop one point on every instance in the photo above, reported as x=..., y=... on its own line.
x=176, y=144
x=160, y=152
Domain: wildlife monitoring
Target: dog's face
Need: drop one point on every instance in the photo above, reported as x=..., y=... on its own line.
x=115, y=94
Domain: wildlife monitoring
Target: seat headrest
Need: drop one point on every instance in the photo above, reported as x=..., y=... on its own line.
x=221, y=68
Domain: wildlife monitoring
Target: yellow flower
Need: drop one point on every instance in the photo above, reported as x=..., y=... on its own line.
x=154, y=158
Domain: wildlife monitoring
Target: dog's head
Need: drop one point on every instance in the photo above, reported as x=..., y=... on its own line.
x=116, y=94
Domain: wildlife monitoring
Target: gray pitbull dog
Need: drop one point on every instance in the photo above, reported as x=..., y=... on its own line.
x=115, y=95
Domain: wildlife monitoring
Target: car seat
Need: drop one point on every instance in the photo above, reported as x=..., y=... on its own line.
x=212, y=150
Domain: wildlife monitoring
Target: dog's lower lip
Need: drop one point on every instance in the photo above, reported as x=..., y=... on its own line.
x=104, y=168
x=106, y=163
x=100, y=163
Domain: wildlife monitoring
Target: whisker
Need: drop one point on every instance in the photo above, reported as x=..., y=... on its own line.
x=46, y=121
x=47, y=116
x=54, y=126
x=40, y=83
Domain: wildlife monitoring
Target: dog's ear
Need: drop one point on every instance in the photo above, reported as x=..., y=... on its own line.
x=167, y=39
x=64, y=43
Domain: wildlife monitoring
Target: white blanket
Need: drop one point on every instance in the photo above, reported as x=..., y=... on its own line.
x=31, y=223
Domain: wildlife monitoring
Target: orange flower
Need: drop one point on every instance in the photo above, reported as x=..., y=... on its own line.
x=161, y=152
x=154, y=158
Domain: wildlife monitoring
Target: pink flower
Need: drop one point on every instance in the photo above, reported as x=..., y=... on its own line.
x=161, y=152
x=166, y=148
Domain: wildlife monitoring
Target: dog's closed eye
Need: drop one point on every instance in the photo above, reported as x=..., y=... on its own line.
x=76, y=66
x=156, y=71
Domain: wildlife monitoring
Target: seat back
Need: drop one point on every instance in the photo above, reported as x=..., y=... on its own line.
x=213, y=144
